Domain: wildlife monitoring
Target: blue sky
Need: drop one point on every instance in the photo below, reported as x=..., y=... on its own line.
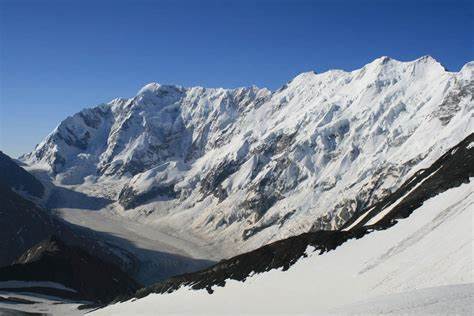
x=57, y=57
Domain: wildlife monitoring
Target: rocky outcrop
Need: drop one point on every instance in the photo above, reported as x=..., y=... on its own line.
x=53, y=261
x=22, y=225
x=128, y=198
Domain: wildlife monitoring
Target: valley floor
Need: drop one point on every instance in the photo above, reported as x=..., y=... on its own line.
x=142, y=236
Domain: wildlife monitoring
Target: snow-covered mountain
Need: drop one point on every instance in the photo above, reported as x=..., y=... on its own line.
x=414, y=247
x=239, y=168
x=410, y=254
x=454, y=168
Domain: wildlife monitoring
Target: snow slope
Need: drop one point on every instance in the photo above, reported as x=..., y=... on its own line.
x=418, y=263
x=38, y=304
x=233, y=169
x=442, y=300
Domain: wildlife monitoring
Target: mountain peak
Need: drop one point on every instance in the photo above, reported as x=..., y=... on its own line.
x=150, y=87
x=383, y=60
x=154, y=87
x=467, y=71
x=426, y=58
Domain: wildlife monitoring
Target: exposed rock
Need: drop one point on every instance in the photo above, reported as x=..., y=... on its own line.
x=52, y=260
x=15, y=177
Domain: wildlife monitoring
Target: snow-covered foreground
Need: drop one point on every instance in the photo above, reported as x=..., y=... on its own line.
x=441, y=300
x=20, y=304
x=422, y=254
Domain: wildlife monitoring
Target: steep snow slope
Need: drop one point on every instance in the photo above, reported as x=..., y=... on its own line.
x=430, y=249
x=235, y=169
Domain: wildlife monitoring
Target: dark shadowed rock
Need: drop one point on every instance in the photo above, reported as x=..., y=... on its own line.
x=15, y=177
x=22, y=224
x=52, y=260
x=128, y=198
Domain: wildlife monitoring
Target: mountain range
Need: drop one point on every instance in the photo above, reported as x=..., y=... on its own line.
x=182, y=188
x=236, y=169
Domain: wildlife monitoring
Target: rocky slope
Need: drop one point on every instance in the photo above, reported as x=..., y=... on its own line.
x=18, y=179
x=86, y=276
x=239, y=168
x=22, y=225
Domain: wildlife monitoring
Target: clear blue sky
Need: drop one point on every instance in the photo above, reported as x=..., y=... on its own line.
x=58, y=57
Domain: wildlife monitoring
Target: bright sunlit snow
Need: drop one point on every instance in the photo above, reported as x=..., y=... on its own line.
x=316, y=150
x=427, y=255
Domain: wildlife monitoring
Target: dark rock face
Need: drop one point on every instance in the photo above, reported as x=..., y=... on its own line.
x=274, y=220
x=211, y=184
x=22, y=225
x=15, y=177
x=276, y=144
x=72, y=139
x=370, y=194
x=451, y=170
x=128, y=198
x=53, y=260
x=450, y=105
x=269, y=190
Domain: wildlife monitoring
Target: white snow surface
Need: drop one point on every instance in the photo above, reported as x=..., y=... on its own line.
x=442, y=300
x=42, y=304
x=321, y=147
x=422, y=265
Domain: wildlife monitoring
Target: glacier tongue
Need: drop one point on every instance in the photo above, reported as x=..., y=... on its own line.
x=239, y=168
